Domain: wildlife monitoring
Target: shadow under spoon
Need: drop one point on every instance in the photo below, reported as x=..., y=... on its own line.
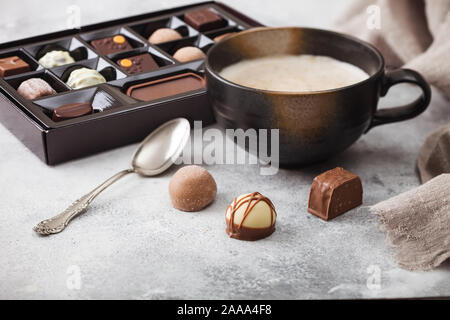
x=153, y=156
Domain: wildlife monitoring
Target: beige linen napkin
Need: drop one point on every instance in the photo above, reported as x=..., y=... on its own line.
x=417, y=224
x=412, y=33
x=434, y=156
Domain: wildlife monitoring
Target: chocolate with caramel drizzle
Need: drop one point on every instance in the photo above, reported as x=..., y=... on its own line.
x=238, y=231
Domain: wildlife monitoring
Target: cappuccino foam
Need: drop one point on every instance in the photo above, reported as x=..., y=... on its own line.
x=301, y=73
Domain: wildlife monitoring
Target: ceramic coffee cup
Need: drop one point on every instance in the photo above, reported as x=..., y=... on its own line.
x=313, y=126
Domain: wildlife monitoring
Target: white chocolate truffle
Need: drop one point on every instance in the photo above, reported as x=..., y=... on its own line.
x=186, y=54
x=35, y=88
x=250, y=217
x=84, y=77
x=56, y=58
x=164, y=35
x=192, y=188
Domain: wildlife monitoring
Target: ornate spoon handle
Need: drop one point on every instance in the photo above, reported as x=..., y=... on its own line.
x=60, y=222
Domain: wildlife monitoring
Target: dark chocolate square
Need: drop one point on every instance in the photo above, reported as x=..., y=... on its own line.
x=204, y=20
x=114, y=44
x=140, y=63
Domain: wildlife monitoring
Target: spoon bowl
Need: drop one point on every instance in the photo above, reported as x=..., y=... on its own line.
x=161, y=148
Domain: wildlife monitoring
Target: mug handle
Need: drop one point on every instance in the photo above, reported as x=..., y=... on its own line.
x=409, y=110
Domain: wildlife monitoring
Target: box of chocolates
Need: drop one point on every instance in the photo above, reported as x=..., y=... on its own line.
x=77, y=92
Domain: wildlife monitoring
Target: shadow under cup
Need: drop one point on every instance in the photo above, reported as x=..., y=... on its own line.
x=313, y=126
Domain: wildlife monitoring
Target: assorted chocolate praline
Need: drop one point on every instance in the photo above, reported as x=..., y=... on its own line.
x=192, y=188
x=13, y=65
x=333, y=193
x=71, y=110
x=35, y=88
x=250, y=217
x=109, y=45
x=167, y=86
x=84, y=77
x=164, y=35
x=204, y=20
x=137, y=64
x=56, y=58
x=188, y=53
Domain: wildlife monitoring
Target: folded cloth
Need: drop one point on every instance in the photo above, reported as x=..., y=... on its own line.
x=434, y=156
x=417, y=224
x=411, y=33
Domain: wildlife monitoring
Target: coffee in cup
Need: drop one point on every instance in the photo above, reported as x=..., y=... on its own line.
x=294, y=73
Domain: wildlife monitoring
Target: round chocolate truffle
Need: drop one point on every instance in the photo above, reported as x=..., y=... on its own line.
x=84, y=77
x=186, y=54
x=192, y=188
x=251, y=217
x=35, y=88
x=164, y=35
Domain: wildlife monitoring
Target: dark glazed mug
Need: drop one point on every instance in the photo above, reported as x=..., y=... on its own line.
x=313, y=125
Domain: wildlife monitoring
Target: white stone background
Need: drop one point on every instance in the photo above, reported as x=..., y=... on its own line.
x=133, y=244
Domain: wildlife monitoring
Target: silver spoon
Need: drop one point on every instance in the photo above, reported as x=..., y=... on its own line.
x=153, y=156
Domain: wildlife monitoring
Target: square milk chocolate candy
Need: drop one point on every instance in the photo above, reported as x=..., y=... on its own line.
x=333, y=193
x=10, y=66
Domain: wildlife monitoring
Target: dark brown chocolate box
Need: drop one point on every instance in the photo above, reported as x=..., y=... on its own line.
x=118, y=119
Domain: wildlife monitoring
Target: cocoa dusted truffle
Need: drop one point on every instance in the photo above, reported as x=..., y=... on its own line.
x=35, y=88
x=250, y=217
x=189, y=53
x=164, y=35
x=192, y=188
x=333, y=193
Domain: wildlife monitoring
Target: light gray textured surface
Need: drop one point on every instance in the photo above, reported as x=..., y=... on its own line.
x=133, y=244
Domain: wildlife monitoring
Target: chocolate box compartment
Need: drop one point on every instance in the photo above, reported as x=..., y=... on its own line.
x=132, y=39
x=146, y=29
x=70, y=44
x=129, y=122
x=98, y=97
x=55, y=83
